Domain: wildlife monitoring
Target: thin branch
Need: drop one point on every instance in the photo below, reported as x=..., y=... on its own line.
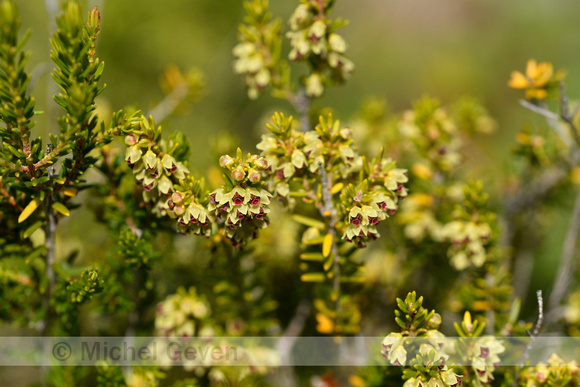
x=576, y=110
x=567, y=263
x=286, y=343
x=533, y=336
x=170, y=103
x=540, y=110
x=301, y=103
x=532, y=192
x=565, y=113
x=50, y=236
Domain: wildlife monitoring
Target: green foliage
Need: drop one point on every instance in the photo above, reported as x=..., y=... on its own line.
x=295, y=225
x=413, y=318
x=70, y=294
x=135, y=251
x=109, y=375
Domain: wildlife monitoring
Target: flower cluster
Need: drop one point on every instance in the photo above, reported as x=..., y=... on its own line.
x=374, y=200
x=470, y=233
x=468, y=240
x=296, y=157
x=153, y=164
x=184, y=314
x=555, y=373
x=283, y=151
x=188, y=205
x=294, y=154
x=313, y=39
x=482, y=353
x=242, y=204
x=429, y=366
x=420, y=346
x=485, y=358
x=538, y=80
x=257, y=53
x=445, y=378
x=429, y=130
x=419, y=219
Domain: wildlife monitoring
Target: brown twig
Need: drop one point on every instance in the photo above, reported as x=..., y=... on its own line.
x=533, y=336
x=567, y=265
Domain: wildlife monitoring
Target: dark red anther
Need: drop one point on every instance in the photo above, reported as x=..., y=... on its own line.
x=238, y=199
x=254, y=200
x=356, y=220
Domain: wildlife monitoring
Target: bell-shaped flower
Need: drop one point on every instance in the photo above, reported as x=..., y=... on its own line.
x=150, y=160
x=133, y=154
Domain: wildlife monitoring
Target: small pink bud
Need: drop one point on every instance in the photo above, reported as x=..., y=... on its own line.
x=238, y=174
x=179, y=210
x=254, y=176
x=226, y=161
x=261, y=163
x=130, y=140
x=177, y=198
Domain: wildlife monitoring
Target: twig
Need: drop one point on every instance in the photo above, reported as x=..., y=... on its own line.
x=553, y=121
x=533, y=336
x=170, y=103
x=530, y=193
x=286, y=343
x=576, y=110
x=50, y=235
x=567, y=264
x=565, y=113
x=301, y=103
x=540, y=110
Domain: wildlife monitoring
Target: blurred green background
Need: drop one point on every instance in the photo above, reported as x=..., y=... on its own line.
x=402, y=50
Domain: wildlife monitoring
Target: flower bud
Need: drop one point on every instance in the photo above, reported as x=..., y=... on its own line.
x=226, y=161
x=238, y=174
x=254, y=176
x=177, y=198
x=131, y=140
x=179, y=210
x=94, y=18
x=261, y=163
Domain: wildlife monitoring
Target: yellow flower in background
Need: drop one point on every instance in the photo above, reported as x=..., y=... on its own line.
x=538, y=78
